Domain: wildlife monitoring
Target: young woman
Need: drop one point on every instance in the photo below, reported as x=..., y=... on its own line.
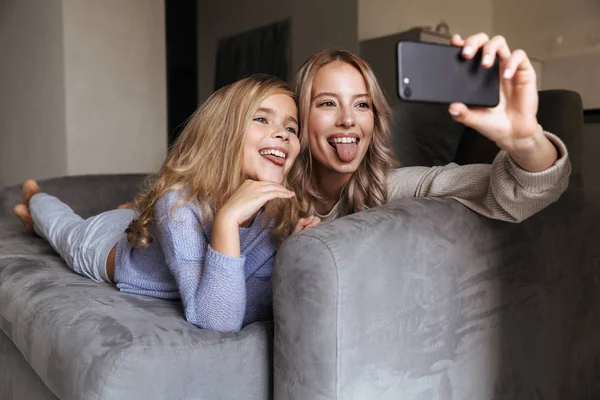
x=347, y=163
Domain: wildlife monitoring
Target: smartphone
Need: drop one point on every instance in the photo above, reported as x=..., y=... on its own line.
x=438, y=73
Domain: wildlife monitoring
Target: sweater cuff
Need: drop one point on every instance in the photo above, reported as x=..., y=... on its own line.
x=538, y=182
x=215, y=258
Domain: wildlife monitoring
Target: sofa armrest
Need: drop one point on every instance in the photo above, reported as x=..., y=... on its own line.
x=426, y=299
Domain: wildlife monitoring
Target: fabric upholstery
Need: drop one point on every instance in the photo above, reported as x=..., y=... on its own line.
x=17, y=379
x=432, y=301
x=425, y=134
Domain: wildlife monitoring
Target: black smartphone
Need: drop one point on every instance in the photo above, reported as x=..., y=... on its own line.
x=438, y=73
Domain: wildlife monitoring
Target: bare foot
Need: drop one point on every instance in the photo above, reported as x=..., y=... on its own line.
x=22, y=212
x=30, y=188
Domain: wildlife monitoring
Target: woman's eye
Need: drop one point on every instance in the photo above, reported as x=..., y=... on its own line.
x=292, y=130
x=262, y=120
x=364, y=105
x=326, y=104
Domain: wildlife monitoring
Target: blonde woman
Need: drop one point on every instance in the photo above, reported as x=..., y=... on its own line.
x=347, y=165
x=203, y=233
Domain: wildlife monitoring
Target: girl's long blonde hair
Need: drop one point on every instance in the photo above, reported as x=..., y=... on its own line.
x=367, y=186
x=206, y=159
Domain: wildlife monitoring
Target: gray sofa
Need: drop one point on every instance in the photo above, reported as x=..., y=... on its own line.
x=424, y=299
x=66, y=337
x=421, y=299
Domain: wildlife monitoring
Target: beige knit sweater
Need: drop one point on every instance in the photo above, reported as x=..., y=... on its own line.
x=501, y=190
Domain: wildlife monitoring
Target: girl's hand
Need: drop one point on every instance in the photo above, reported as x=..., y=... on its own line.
x=306, y=223
x=513, y=123
x=250, y=197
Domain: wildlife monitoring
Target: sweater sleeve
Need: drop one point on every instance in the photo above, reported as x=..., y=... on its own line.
x=211, y=284
x=501, y=190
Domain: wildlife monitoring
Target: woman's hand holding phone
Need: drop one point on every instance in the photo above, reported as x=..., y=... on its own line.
x=513, y=123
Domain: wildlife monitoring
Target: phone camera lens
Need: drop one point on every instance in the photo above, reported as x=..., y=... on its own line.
x=407, y=92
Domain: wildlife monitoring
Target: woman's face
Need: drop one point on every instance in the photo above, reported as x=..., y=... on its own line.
x=340, y=122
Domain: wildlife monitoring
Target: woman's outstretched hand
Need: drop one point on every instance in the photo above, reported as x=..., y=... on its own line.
x=513, y=123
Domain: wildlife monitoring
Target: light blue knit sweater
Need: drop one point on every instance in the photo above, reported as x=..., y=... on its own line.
x=218, y=292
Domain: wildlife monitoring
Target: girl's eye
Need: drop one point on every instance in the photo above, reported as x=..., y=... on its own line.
x=364, y=105
x=292, y=130
x=262, y=120
x=326, y=104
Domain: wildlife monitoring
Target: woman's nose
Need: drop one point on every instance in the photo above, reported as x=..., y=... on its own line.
x=346, y=118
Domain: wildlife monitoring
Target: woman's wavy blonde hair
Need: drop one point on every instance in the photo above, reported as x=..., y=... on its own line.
x=206, y=159
x=367, y=186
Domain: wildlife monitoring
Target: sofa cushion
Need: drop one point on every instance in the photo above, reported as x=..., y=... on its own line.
x=17, y=379
x=425, y=134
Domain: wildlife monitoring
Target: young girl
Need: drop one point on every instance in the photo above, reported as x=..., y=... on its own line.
x=203, y=233
x=348, y=164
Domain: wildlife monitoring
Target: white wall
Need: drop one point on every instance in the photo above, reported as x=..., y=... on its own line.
x=82, y=87
x=315, y=24
x=580, y=73
x=115, y=64
x=32, y=107
x=538, y=26
x=535, y=26
x=385, y=17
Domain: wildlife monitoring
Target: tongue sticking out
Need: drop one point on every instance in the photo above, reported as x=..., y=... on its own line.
x=346, y=151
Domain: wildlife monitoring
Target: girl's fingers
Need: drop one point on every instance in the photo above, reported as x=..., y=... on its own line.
x=473, y=44
x=276, y=194
x=316, y=221
x=274, y=186
x=299, y=227
x=306, y=223
x=302, y=224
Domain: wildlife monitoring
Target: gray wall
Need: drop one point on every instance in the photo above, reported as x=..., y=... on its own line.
x=387, y=17
x=116, y=99
x=580, y=73
x=315, y=25
x=82, y=87
x=563, y=35
x=32, y=91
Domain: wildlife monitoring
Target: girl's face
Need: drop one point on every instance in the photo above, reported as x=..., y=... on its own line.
x=271, y=143
x=340, y=122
